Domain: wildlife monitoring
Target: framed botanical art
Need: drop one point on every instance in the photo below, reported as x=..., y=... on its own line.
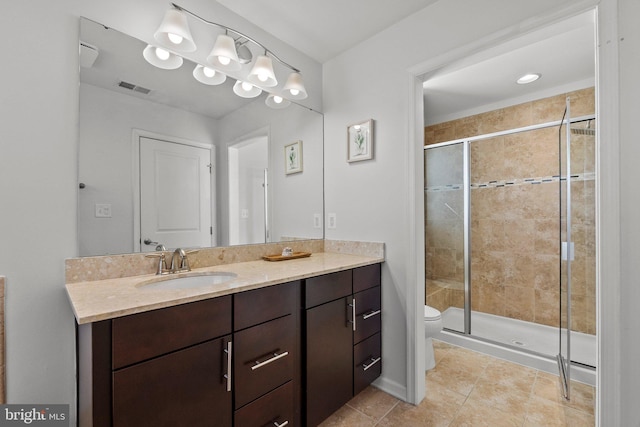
x=293, y=158
x=360, y=141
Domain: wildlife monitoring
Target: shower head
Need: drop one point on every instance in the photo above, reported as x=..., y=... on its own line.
x=588, y=130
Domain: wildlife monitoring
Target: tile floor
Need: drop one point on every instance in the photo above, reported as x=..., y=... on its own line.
x=467, y=388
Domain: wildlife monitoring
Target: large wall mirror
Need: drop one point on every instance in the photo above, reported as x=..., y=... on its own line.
x=165, y=159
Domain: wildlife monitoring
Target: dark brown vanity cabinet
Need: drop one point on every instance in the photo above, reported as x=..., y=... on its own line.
x=270, y=356
x=342, y=338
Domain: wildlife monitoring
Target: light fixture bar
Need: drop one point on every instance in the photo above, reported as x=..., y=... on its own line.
x=224, y=27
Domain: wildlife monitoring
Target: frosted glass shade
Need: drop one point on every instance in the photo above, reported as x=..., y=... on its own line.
x=262, y=72
x=161, y=58
x=246, y=90
x=294, y=87
x=277, y=102
x=174, y=32
x=208, y=76
x=224, y=55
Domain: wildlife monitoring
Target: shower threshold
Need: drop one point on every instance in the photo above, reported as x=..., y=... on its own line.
x=527, y=343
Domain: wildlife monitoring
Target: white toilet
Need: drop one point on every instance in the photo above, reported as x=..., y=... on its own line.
x=432, y=325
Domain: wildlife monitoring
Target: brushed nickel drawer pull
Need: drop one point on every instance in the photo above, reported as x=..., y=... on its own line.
x=373, y=362
x=229, y=365
x=275, y=357
x=353, y=313
x=286, y=423
x=371, y=314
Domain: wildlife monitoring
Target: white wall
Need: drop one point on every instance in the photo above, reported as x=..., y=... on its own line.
x=38, y=173
x=107, y=120
x=295, y=198
x=364, y=83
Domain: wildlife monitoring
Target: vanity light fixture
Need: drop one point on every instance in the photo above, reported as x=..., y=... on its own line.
x=230, y=52
x=161, y=58
x=277, y=102
x=294, y=86
x=174, y=31
x=246, y=89
x=208, y=76
x=262, y=72
x=528, y=78
x=224, y=54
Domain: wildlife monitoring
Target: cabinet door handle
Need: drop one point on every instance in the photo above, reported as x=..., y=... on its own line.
x=275, y=357
x=373, y=362
x=286, y=423
x=353, y=313
x=229, y=365
x=371, y=314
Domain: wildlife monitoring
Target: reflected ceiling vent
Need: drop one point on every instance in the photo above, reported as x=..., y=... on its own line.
x=134, y=88
x=88, y=55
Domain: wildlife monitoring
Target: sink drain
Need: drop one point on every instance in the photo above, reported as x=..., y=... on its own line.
x=518, y=342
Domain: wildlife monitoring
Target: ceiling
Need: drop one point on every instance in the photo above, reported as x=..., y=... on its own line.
x=564, y=53
x=326, y=28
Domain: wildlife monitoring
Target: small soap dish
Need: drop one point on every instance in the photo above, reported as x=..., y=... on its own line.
x=280, y=257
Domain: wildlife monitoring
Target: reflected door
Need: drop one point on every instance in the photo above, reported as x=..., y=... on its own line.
x=175, y=195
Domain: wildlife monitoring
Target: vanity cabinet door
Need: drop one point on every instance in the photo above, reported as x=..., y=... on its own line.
x=184, y=388
x=329, y=350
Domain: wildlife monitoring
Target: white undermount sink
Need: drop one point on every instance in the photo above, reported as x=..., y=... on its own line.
x=188, y=282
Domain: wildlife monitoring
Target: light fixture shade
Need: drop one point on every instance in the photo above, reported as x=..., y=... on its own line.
x=277, y=102
x=154, y=56
x=174, y=32
x=224, y=55
x=200, y=73
x=246, y=90
x=262, y=72
x=528, y=78
x=294, y=87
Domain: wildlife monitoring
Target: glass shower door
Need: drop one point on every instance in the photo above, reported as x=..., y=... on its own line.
x=446, y=258
x=566, y=252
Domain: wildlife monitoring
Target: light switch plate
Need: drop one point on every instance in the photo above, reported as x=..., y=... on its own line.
x=331, y=220
x=103, y=210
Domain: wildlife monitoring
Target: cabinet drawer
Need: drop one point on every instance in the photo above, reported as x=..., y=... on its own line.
x=368, y=314
x=261, y=305
x=329, y=287
x=366, y=277
x=274, y=407
x=263, y=358
x=178, y=389
x=367, y=363
x=145, y=335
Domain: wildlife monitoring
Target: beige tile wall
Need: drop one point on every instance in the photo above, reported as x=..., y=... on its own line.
x=515, y=227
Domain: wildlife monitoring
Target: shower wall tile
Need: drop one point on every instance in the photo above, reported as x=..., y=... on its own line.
x=547, y=272
x=519, y=303
x=519, y=270
x=548, y=109
x=546, y=238
x=519, y=236
x=488, y=235
x=546, y=307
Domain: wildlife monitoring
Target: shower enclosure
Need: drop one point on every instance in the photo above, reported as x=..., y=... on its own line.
x=510, y=237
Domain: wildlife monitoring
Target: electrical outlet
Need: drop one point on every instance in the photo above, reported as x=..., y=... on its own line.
x=317, y=220
x=331, y=220
x=103, y=210
x=244, y=213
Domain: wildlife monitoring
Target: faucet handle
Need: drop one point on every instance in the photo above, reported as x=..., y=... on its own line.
x=162, y=261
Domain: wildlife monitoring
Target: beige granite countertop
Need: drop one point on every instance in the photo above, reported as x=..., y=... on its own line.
x=97, y=300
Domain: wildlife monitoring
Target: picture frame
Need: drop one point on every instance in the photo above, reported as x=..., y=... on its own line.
x=293, y=158
x=360, y=141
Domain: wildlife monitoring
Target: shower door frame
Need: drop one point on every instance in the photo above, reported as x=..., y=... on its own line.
x=467, y=218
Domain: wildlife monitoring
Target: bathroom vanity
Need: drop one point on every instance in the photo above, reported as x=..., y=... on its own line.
x=284, y=343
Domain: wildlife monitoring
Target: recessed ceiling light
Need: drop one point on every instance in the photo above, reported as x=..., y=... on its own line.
x=528, y=78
